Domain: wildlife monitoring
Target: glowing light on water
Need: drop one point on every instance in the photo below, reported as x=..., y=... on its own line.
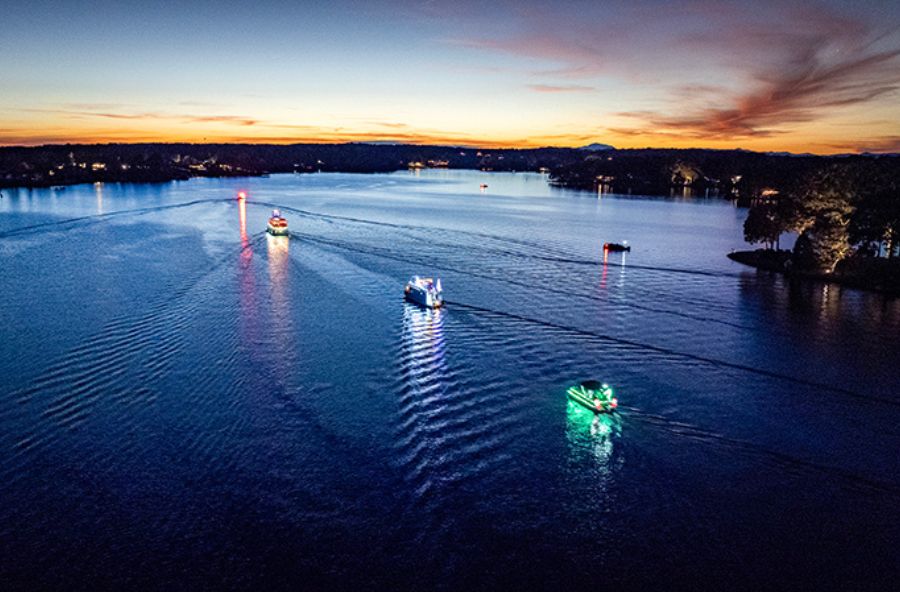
x=605, y=267
x=242, y=218
x=98, y=189
x=595, y=434
x=278, y=255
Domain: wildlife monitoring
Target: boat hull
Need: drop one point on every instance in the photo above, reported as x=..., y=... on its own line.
x=577, y=396
x=277, y=230
x=421, y=299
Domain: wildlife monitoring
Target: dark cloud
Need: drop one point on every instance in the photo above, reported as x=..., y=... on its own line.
x=886, y=144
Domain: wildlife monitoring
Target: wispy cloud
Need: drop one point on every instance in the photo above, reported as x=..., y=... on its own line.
x=809, y=83
x=557, y=89
x=774, y=64
x=886, y=144
x=92, y=111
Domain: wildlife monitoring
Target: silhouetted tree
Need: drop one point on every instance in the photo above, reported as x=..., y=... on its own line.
x=762, y=226
x=876, y=220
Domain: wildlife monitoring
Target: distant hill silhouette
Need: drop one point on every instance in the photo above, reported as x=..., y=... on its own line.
x=595, y=147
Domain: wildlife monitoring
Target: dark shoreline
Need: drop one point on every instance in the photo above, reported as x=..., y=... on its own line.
x=70, y=164
x=736, y=174
x=862, y=273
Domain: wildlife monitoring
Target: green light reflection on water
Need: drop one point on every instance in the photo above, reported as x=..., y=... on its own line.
x=592, y=441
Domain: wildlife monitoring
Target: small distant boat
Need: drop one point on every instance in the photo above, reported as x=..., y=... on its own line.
x=424, y=291
x=593, y=395
x=617, y=246
x=483, y=186
x=277, y=224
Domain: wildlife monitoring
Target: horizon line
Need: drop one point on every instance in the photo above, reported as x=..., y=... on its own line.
x=436, y=144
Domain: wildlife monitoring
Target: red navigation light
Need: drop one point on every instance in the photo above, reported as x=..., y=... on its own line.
x=242, y=195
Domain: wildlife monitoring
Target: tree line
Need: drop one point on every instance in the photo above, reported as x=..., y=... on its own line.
x=840, y=210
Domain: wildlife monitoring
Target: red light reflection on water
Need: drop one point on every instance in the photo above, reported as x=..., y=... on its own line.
x=250, y=325
x=242, y=216
x=605, y=267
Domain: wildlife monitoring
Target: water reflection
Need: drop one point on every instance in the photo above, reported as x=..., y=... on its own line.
x=821, y=312
x=423, y=344
x=424, y=408
x=98, y=191
x=592, y=437
x=250, y=327
x=606, y=263
x=242, y=218
x=278, y=250
x=278, y=253
x=605, y=267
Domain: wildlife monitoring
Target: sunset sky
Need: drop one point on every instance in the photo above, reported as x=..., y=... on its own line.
x=810, y=76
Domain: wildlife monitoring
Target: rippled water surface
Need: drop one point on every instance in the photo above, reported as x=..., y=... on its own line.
x=186, y=402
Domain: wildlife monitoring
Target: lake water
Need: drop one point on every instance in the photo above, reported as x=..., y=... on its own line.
x=188, y=403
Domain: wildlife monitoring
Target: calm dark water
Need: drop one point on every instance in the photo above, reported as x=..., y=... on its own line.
x=186, y=403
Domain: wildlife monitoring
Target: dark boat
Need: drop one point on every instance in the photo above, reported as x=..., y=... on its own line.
x=617, y=247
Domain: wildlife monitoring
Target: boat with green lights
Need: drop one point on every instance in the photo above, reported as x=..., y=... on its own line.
x=593, y=395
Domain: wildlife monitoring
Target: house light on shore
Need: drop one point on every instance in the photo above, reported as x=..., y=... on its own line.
x=98, y=166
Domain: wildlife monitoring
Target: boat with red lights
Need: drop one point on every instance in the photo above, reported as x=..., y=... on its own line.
x=278, y=225
x=594, y=396
x=617, y=247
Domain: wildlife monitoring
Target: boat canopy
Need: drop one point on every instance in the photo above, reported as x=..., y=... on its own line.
x=591, y=384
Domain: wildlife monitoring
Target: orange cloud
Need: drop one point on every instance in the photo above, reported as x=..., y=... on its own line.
x=86, y=112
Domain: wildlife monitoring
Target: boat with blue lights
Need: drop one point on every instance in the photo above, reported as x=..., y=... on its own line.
x=424, y=291
x=277, y=225
x=593, y=395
